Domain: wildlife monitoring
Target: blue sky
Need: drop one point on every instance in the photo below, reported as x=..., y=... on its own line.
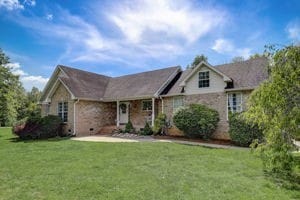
x=122, y=37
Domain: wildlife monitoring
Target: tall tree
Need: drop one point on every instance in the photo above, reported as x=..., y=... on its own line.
x=11, y=93
x=257, y=55
x=275, y=106
x=198, y=59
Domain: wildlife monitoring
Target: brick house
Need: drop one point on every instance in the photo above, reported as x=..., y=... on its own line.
x=90, y=103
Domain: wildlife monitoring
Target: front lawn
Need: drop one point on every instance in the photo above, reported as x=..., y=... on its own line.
x=65, y=169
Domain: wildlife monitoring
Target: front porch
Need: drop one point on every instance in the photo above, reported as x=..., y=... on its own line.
x=138, y=112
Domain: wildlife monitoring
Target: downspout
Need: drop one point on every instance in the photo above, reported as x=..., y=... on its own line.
x=74, y=120
x=162, y=105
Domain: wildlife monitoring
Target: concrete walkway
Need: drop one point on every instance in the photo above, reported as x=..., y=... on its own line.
x=108, y=138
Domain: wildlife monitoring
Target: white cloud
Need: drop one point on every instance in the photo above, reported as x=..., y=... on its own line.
x=160, y=30
x=141, y=21
x=49, y=17
x=16, y=69
x=293, y=30
x=11, y=4
x=36, y=81
x=30, y=2
x=224, y=46
x=27, y=80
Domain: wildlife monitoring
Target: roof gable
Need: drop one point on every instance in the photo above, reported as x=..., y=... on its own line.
x=197, y=68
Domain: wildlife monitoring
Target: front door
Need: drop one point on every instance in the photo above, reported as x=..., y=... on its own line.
x=124, y=110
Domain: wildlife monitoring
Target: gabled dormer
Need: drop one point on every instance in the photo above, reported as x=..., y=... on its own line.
x=204, y=79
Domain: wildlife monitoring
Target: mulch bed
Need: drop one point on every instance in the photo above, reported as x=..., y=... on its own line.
x=211, y=141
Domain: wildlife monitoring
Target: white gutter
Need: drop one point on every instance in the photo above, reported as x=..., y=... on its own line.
x=74, y=120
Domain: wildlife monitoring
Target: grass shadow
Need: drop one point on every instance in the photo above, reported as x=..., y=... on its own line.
x=289, y=182
x=55, y=139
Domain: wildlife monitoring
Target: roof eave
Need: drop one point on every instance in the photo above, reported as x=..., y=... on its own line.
x=239, y=89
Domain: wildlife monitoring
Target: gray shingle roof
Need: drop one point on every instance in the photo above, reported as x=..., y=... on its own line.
x=87, y=85
x=144, y=84
x=245, y=74
x=84, y=84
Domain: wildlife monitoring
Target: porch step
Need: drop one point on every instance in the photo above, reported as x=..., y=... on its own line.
x=107, y=130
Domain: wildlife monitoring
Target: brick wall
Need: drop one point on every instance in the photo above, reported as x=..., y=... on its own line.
x=217, y=101
x=91, y=116
x=61, y=95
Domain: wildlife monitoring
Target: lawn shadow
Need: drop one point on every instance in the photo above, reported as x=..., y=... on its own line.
x=55, y=139
x=287, y=181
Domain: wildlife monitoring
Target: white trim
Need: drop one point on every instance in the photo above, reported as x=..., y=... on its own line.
x=209, y=84
x=142, y=106
x=227, y=112
x=173, y=102
x=162, y=105
x=50, y=93
x=128, y=98
x=239, y=89
x=165, y=84
x=227, y=101
x=74, y=120
x=72, y=95
x=118, y=113
x=153, y=112
x=225, y=78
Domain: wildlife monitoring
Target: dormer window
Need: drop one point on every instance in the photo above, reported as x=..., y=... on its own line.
x=203, y=79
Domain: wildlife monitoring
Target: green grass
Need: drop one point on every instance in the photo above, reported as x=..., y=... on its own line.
x=65, y=169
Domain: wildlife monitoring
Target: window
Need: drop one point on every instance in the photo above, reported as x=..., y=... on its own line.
x=177, y=102
x=63, y=111
x=234, y=102
x=203, y=79
x=147, y=105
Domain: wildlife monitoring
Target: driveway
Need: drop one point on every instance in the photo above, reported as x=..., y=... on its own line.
x=108, y=138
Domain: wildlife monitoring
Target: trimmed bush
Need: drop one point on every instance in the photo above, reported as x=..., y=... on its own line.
x=147, y=130
x=39, y=128
x=242, y=132
x=129, y=128
x=160, y=124
x=196, y=120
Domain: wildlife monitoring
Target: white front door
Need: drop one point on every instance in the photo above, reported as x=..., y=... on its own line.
x=124, y=110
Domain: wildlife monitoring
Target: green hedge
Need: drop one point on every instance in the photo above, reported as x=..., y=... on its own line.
x=242, y=132
x=196, y=120
x=39, y=128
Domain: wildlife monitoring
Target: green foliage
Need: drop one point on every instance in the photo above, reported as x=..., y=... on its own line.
x=257, y=55
x=242, y=132
x=12, y=93
x=147, y=130
x=160, y=124
x=274, y=106
x=129, y=128
x=198, y=59
x=39, y=128
x=196, y=120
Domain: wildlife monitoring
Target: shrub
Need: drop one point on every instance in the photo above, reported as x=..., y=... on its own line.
x=196, y=120
x=160, y=124
x=129, y=128
x=147, y=130
x=242, y=132
x=39, y=128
